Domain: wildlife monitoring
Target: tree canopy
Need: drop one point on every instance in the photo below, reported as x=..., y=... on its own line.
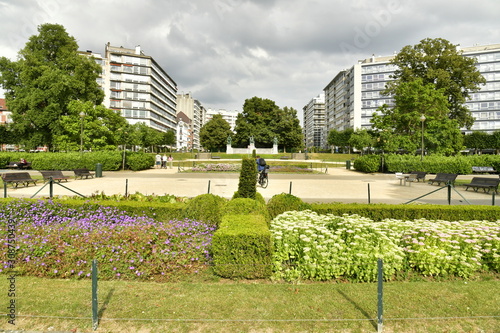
x=263, y=120
x=214, y=134
x=433, y=80
x=40, y=85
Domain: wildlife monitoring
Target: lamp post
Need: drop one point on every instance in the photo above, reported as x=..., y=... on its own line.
x=82, y=114
x=422, y=119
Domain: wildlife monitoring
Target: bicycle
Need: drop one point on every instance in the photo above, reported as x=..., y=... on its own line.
x=263, y=179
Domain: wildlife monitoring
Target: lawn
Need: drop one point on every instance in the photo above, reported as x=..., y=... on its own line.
x=217, y=305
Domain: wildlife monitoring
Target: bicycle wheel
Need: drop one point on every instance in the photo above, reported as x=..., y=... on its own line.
x=264, y=182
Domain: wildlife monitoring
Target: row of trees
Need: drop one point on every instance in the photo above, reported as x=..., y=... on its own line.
x=56, y=101
x=431, y=84
x=261, y=119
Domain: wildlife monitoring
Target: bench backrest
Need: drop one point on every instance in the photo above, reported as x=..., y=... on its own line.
x=16, y=176
x=485, y=181
x=80, y=171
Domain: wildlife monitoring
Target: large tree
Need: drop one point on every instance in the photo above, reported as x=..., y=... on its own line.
x=263, y=120
x=47, y=76
x=214, y=134
x=440, y=64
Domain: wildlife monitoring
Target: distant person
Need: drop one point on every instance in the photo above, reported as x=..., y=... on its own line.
x=22, y=163
x=158, y=161
x=261, y=163
x=164, y=161
x=170, y=161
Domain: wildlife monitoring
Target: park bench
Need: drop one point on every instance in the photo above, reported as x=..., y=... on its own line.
x=16, y=165
x=420, y=175
x=56, y=175
x=83, y=172
x=483, y=169
x=16, y=178
x=216, y=157
x=486, y=184
x=445, y=178
x=284, y=158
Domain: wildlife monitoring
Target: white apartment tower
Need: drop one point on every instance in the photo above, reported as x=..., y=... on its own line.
x=228, y=115
x=314, y=122
x=354, y=94
x=136, y=85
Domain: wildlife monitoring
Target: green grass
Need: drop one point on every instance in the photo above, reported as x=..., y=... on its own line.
x=255, y=306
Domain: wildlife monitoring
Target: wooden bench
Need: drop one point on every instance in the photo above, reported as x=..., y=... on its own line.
x=16, y=165
x=284, y=158
x=16, y=178
x=83, y=173
x=56, y=175
x=420, y=175
x=483, y=169
x=484, y=183
x=445, y=178
x=216, y=157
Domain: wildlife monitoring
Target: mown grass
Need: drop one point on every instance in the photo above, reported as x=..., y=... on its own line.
x=216, y=305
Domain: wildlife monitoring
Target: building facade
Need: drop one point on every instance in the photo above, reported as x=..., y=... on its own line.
x=314, y=122
x=228, y=115
x=354, y=94
x=195, y=112
x=137, y=86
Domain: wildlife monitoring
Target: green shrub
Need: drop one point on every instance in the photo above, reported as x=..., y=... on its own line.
x=207, y=208
x=283, y=202
x=368, y=163
x=379, y=212
x=246, y=206
x=247, y=186
x=139, y=161
x=242, y=247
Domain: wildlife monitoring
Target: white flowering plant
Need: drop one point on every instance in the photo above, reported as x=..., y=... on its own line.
x=325, y=247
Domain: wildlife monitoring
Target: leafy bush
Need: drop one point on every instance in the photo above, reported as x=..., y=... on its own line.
x=246, y=206
x=242, y=247
x=368, y=163
x=284, y=202
x=323, y=247
x=247, y=186
x=139, y=161
x=60, y=241
x=207, y=208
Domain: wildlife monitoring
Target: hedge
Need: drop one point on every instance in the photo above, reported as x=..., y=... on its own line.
x=242, y=247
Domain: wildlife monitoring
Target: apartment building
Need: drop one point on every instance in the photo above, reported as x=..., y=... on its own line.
x=314, y=122
x=228, y=115
x=194, y=111
x=354, y=94
x=137, y=86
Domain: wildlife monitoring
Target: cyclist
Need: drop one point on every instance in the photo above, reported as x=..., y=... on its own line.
x=261, y=167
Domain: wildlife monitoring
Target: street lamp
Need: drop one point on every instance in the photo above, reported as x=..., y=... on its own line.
x=422, y=119
x=82, y=114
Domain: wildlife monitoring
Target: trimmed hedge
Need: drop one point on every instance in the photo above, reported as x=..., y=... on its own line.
x=284, y=202
x=379, y=212
x=207, y=208
x=242, y=247
x=247, y=206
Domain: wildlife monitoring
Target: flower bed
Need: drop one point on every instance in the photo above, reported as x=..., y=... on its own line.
x=217, y=167
x=56, y=241
x=323, y=247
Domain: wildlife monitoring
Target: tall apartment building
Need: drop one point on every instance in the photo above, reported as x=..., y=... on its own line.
x=354, y=94
x=195, y=111
x=136, y=85
x=314, y=122
x=228, y=115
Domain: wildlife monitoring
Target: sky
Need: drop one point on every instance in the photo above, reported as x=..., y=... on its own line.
x=226, y=51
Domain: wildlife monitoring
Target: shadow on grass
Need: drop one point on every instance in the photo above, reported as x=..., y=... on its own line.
x=360, y=309
x=105, y=303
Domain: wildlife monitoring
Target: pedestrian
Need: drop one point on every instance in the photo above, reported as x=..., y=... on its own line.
x=158, y=161
x=164, y=161
x=170, y=161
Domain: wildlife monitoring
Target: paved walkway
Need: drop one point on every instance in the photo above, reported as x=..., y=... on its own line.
x=338, y=185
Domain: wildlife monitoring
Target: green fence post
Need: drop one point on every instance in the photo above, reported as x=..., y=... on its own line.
x=380, y=310
x=95, y=318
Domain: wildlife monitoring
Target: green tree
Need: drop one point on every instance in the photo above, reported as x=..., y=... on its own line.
x=214, y=134
x=340, y=138
x=247, y=186
x=400, y=125
x=361, y=139
x=168, y=138
x=438, y=63
x=478, y=140
x=48, y=74
x=95, y=126
x=145, y=136
x=263, y=120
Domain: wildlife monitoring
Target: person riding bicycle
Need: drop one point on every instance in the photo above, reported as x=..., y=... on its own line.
x=261, y=164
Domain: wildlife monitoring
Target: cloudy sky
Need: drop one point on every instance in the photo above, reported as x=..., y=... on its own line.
x=225, y=51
